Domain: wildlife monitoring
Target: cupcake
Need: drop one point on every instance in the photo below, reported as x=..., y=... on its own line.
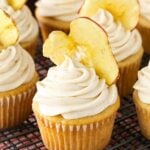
x=17, y=76
x=26, y=25
x=17, y=86
x=75, y=108
x=144, y=24
x=56, y=15
x=141, y=99
x=125, y=41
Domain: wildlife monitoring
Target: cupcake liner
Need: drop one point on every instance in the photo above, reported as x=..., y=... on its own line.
x=128, y=73
x=144, y=29
x=86, y=137
x=143, y=113
x=15, y=105
x=49, y=24
x=31, y=46
x=92, y=135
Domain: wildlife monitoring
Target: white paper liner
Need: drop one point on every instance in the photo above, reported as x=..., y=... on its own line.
x=93, y=136
x=15, y=108
x=128, y=73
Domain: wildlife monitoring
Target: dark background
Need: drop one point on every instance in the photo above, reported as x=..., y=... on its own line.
x=31, y=4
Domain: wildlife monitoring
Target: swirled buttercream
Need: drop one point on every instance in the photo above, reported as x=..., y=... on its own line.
x=123, y=43
x=25, y=22
x=143, y=84
x=73, y=91
x=16, y=68
x=145, y=8
x=59, y=9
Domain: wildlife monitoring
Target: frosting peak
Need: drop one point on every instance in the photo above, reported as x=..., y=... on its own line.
x=143, y=84
x=65, y=10
x=73, y=91
x=123, y=43
x=16, y=68
x=145, y=8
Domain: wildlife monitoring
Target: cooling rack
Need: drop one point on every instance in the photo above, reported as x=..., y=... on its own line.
x=126, y=133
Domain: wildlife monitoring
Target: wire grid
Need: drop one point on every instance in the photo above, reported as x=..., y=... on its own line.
x=126, y=133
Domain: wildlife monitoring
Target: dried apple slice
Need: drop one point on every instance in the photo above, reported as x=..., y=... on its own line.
x=57, y=45
x=89, y=42
x=17, y=4
x=94, y=42
x=8, y=31
x=127, y=12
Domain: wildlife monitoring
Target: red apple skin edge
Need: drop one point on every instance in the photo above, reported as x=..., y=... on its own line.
x=107, y=37
x=117, y=78
x=81, y=6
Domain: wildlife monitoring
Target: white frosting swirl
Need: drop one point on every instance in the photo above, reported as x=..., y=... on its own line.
x=123, y=43
x=25, y=22
x=143, y=84
x=145, y=8
x=73, y=91
x=16, y=68
x=65, y=10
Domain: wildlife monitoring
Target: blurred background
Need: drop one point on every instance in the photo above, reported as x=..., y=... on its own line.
x=31, y=4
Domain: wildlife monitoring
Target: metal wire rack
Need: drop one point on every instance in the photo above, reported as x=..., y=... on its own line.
x=126, y=133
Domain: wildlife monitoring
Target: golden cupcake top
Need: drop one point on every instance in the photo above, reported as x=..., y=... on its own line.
x=125, y=11
x=17, y=4
x=87, y=42
x=9, y=33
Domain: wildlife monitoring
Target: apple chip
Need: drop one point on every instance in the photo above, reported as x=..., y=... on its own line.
x=8, y=31
x=125, y=11
x=57, y=46
x=94, y=42
x=87, y=42
x=17, y=4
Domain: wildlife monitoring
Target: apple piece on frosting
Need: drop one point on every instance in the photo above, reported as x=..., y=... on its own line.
x=94, y=42
x=57, y=46
x=17, y=4
x=9, y=33
x=90, y=41
x=125, y=11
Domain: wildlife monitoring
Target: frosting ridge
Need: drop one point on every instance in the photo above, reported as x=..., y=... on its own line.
x=73, y=91
x=123, y=43
x=16, y=68
x=143, y=84
x=145, y=8
x=59, y=9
